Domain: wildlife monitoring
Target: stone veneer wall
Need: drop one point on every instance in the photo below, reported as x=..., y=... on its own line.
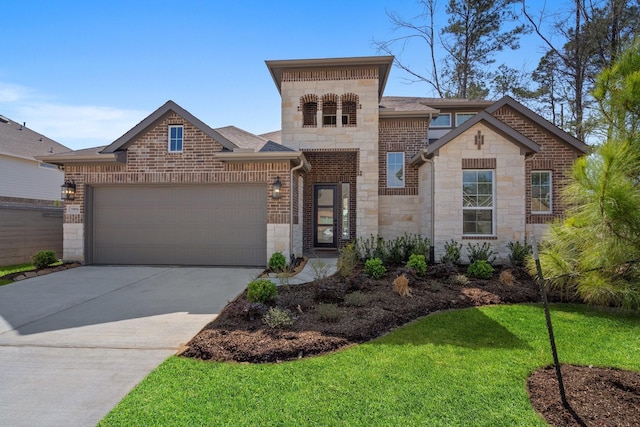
x=149, y=162
x=509, y=192
x=363, y=137
x=400, y=208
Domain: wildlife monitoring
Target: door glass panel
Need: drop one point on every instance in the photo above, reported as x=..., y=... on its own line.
x=325, y=216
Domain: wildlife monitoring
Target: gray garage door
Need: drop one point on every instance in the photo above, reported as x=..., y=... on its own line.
x=179, y=225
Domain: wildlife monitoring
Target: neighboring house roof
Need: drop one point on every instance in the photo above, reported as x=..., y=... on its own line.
x=382, y=62
x=456, y=102
x=125, y=140
x=275, y=136
x=539, y=120
x=16, y=140
x=487, y=119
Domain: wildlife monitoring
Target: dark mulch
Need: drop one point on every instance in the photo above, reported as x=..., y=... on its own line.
x=597, y=396
x=600, y=396
x=238, y=336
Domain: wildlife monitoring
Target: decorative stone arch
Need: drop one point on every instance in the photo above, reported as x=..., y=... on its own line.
x=350, y=103
x=329, y=110
x=309, y=108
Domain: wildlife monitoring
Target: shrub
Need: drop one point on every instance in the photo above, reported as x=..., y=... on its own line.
x=417, y=263
x=480, y=252
x=374, y=268
x=452, y=251
x=277, y=262
x=506, y=278
x=241, y=308
x=518, y=253
x=328, y=312
x=401, y=285
x=278, y=318
x=261, y=290
x=44, y=259
x=480, y=269
x=320, y=269
x=460, y=279
x=356, y=299
x=347, y=260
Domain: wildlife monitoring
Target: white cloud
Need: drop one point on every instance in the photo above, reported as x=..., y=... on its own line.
x=76, y=126
x=79, y=126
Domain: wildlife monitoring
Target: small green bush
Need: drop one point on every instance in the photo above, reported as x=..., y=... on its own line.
x=418, y=263
x=328, y=312
x=374, y=268
x=518, y=253
x=261, y=290
x=277, y=262
x=480, y=252
x=356, y=299
x=278, y=318
x=44, y=259
x=452, y=251
x=480, y=269
x=347, y=260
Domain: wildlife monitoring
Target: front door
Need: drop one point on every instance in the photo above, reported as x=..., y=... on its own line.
x=325, y=218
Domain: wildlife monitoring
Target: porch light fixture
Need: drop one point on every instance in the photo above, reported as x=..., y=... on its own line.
x=276, y=188
x=68, y=190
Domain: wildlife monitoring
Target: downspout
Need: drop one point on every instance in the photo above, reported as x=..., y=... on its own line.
x=291, y=254
x=432, y=252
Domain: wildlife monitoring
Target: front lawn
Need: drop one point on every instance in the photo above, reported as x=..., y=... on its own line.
x=462, y=367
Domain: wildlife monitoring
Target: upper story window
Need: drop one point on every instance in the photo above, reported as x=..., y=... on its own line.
x=477, y=202
x=329, y=110
x=349, y=107
x=442, y=121
x=395, y=170
x=541, y=192
x=309, y=107
x=175, y=138
x=463, y=117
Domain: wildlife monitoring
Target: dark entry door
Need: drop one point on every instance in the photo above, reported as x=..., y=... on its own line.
x=325, y=218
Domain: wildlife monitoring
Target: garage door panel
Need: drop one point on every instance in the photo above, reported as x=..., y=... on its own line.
x=180, y=225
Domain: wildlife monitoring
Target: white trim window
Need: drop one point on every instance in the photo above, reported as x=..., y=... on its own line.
x=441, y=121
x=541, y=192
x=176, y=138
x=463, y=117
x=395, y=170
x=478, y=202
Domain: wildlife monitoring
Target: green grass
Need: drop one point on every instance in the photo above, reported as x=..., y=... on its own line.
x=18, y=268
x=464, y=367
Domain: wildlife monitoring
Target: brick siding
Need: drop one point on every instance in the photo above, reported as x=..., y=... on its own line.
x=555, y=155
x=400, y=135
x=330, y=167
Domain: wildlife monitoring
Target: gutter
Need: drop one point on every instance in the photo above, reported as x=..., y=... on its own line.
x=295, y=168
x=423, y=158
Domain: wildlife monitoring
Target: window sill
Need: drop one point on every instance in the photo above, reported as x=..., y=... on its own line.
x=541, y=213
x=479, y=237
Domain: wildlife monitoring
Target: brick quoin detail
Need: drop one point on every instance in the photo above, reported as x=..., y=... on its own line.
x=554, y=155
x=330, y=167
x=408, y=136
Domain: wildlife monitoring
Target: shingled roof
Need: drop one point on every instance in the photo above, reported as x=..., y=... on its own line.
x=17, y=140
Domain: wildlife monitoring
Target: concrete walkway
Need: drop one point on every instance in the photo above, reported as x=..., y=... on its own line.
x=311, y=270
x=74, y=343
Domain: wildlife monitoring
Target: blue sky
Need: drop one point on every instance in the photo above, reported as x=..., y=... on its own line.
x=85, y=72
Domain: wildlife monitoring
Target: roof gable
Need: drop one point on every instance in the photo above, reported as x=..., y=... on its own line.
x=125, y=140
x=540, y=121
x=500, y=127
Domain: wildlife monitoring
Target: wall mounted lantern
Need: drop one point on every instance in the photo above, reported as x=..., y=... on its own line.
x=276, y=188
x=68, y=190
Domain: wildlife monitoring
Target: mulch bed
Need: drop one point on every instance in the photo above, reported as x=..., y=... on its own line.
x=600, y=396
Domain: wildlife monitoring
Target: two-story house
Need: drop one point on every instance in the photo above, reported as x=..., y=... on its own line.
x=347, y=163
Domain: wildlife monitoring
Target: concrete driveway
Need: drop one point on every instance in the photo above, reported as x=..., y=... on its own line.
x=74, y=343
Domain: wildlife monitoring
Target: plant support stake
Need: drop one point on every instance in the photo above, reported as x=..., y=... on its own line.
x=547, y=314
